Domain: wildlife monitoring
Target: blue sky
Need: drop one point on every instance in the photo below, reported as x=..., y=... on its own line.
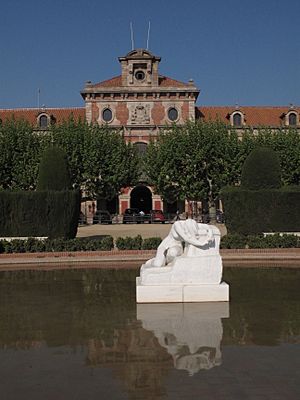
x=238, y=52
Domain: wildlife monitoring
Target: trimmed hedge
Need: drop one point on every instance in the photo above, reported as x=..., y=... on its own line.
x=256, y=211
x=138, y=243
x=260, y=242
x=32, y=245
x=151, y=243
x=54, y=171
x=129, y=243
x=52, y=214
x=261, y=170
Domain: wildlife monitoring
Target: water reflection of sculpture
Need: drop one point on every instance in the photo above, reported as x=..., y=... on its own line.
x=191, y=333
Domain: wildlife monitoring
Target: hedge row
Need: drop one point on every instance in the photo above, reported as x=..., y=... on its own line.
x=32, y=245
x=47, y=213
x=252, y=212
x=236, y=241
x=137, y=243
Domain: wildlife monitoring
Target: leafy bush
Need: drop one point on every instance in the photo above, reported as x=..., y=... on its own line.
x=6, y=246
x=261, y=170
x=282, y=241
x=54, y=171
x=129, y=243
x=236, y=241
x=107, y=243
x=257, y=242
x=17, y=246
x=151, y=243
x=80, y=244
x=33, y=245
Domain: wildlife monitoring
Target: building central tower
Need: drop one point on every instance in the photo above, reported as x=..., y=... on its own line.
x=140, y=101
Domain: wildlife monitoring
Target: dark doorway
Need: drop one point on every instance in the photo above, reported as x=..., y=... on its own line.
x=113, y=205
x=141, y=198
x=172, y=208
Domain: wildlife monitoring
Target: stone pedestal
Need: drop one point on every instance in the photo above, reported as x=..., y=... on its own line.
x=178, y=293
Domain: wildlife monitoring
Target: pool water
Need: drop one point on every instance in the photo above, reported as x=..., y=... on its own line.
x=78, y=334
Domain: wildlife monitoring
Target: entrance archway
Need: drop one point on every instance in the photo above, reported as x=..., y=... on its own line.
x=141, y=198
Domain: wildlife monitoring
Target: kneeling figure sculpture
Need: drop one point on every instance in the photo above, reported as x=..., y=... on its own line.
x=187, y=267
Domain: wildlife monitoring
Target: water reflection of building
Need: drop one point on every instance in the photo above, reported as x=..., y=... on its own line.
x=191, y=333
x=166, y=336
x=136, y=358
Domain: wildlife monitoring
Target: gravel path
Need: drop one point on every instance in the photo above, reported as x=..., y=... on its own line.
x=120, y=230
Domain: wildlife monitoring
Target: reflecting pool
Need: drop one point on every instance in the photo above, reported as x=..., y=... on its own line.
x=78, y=334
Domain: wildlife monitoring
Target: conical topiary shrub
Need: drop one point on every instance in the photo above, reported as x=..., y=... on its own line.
x=54, y=171
x=261, y=170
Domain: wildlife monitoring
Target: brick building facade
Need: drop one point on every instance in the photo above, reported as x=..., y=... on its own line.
x=140, y=102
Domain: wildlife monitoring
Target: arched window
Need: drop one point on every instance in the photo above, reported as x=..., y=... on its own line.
x=107, y=115
x=43, y=121
x=141, y=147
x=172, y=114
x=292, y=119
x=237, y=119
x=140, y=75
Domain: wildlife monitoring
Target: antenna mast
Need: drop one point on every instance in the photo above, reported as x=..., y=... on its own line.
x=148, y=36
x=38, y=97
x=132, y=38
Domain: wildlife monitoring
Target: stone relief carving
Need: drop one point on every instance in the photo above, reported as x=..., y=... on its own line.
x=140, y=114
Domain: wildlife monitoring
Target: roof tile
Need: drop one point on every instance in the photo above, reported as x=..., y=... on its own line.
x=116, y=81
x=31, y=114
x=254, y=116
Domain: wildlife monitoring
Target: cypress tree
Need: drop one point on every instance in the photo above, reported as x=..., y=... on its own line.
x=261, y=170
x=54, y=171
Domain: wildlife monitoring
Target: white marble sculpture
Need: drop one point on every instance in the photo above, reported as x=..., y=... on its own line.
x=191, y=333
x=187, y=267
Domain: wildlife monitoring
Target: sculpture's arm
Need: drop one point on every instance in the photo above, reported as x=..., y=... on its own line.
x=202, y=241
x=207, y=231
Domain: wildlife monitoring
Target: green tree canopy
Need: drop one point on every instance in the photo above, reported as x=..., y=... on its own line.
x=286, y=143
x=20, y=152
x=108, y=162
x=193, y=161
x=69, y=135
